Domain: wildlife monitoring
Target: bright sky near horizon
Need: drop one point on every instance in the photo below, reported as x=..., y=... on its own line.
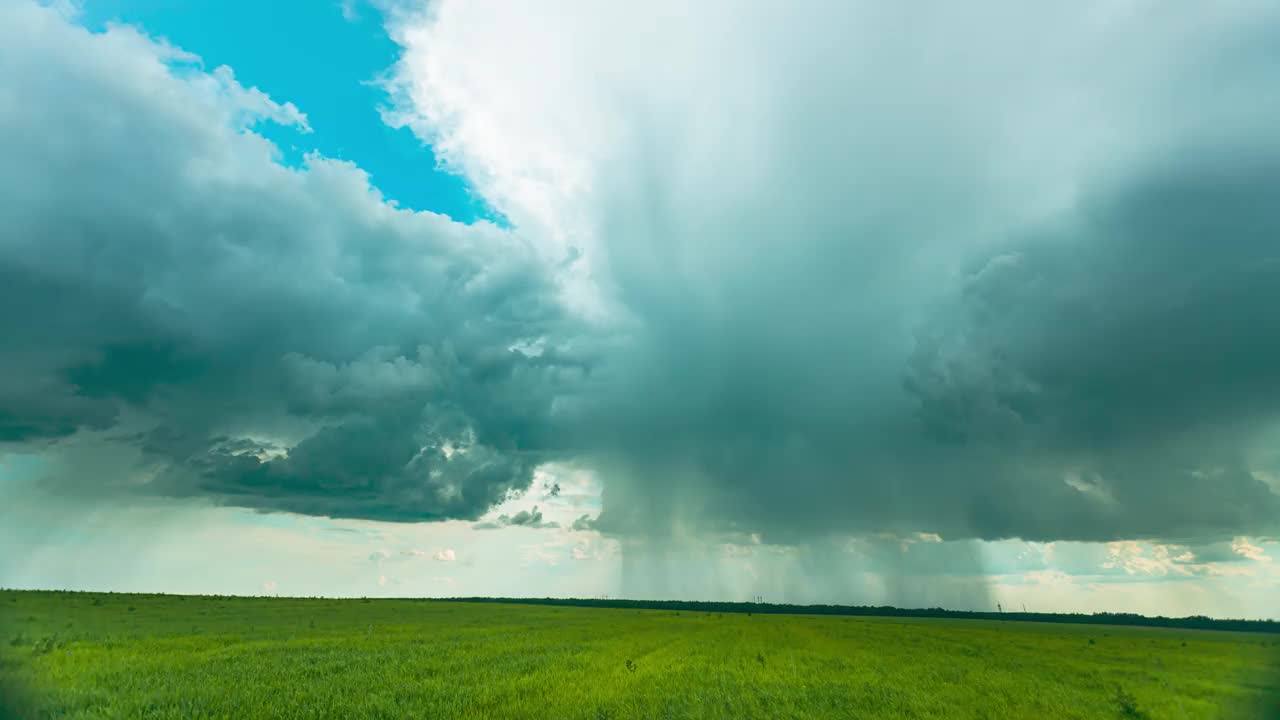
x=826, y=302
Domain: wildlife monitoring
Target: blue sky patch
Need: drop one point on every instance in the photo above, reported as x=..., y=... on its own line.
x=323, y=61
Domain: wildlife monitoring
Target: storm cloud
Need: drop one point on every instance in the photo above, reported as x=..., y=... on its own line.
x=786, y=273
x=982, y=271
x=271, y=337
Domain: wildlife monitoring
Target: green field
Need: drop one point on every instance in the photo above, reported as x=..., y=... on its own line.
x=81, y=655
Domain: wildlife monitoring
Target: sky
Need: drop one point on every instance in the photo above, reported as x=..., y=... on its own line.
x=322, y=56
x=842, y=303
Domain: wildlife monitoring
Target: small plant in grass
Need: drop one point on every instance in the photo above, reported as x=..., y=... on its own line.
x=1128, y=704
x=47, y=645
x=760, y=658
x=1092, y=641
x=631, y=666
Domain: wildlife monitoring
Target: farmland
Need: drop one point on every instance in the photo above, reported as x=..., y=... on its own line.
x=87, y=655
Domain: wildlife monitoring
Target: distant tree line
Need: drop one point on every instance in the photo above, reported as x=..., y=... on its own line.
x=1194, y=622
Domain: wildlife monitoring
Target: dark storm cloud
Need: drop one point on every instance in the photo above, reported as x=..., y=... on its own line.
x=1114, y=373
x=1133, y=344
x=271, y=338
x=982, y=271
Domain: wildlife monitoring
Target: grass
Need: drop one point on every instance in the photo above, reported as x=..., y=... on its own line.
x=84, y=655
